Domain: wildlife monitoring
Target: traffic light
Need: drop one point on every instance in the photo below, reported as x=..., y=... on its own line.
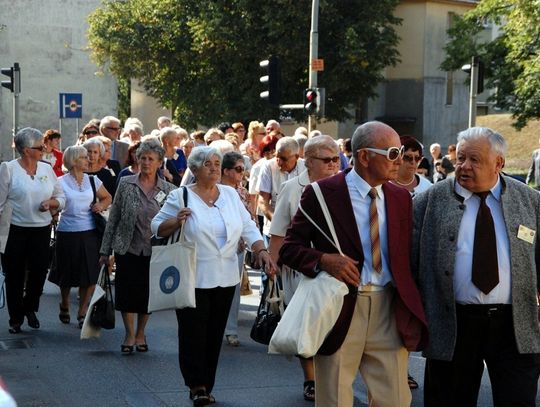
x=8, y=84
x=14, y=74
x=480, y=69
x=272, y=80
x=312, y=101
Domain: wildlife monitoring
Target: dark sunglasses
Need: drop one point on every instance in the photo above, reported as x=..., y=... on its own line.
x=412, y=158
x=327, y=160
x=113, y=128
x=88, y=132
x=285, y=159
x=40, y=148
x=238, y=169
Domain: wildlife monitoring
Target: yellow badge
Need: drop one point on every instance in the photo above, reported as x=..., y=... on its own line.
x=526, y=234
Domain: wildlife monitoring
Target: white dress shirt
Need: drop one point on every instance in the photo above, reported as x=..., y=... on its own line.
x=465, y=291
x=216, y=230
x=25, y=193
x=360, y=200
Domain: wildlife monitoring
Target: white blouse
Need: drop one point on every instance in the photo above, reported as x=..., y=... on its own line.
x=77, y=215
x=25, y=193
x=217, y=261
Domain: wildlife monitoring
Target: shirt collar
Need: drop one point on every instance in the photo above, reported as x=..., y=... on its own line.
x=361, y=185
x=496, y=190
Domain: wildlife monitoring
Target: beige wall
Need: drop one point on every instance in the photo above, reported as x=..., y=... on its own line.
x=146, y=108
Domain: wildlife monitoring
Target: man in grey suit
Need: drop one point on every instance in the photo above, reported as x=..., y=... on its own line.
x=476, y=258
x=109, y=127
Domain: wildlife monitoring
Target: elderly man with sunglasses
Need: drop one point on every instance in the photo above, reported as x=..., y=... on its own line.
x=110, y=127
x=382, y=316
x=284, y=166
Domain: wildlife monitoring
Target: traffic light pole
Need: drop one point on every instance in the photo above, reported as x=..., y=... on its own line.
x=313, y=53
x=473, y=92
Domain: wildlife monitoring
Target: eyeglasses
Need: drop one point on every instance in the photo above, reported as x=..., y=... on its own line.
x=392, y=154
x=238, y=169
x=91, y=132
x=40, y=148
x=327, y=160
x=412, y=158
x=285, y=159
x=113, y=128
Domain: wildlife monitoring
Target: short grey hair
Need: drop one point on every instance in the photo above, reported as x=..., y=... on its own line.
x=364, y=136
x=26, y=137
x=323, y=142
x=96, y=141
x=167, y=132
x=150, y=144
x=287, y=144
x=300, y=139
x=71, y=154
x=496, y=140
x=201, y=154
x=224, y=146
x=107, y=120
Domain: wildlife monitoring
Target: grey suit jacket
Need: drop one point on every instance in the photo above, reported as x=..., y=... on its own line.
x=437, y=218
x=120, y=152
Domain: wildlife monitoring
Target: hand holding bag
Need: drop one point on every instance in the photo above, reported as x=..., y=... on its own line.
x=99, y=219
x=173, y=273
x=268, y=314
x=103, y=310
x=314, y=307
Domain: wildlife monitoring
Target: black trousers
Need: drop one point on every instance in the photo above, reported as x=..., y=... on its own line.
x=200, y=335
x=484, y=334
x=25, y=264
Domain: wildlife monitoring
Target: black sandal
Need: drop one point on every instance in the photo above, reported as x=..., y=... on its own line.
x=201, y=398
x=412, y=383
x=64, y=315
x=126, y=349
x=309, y=390
x=15, y=329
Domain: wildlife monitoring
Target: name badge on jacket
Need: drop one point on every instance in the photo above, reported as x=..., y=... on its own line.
x=526, y=234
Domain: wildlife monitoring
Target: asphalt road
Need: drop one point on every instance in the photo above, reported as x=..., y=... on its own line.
x=53, y=367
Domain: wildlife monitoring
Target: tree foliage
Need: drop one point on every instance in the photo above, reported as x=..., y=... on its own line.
x=201, y=58
x=512, y=59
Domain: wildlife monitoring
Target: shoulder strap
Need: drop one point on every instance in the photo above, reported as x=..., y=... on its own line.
x=180, y=234
x=334, y=240
x=92, y=183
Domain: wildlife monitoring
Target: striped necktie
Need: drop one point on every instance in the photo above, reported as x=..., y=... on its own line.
x=374, y=232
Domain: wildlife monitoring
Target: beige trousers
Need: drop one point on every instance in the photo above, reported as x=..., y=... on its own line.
x=372, y=346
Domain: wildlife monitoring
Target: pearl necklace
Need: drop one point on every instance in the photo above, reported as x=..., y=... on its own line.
x=406, y=184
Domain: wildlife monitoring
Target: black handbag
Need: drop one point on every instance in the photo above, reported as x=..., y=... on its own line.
x=268, y=314
x=103, y=310
x=99, y=219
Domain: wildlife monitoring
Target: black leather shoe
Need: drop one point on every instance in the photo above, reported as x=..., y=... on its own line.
x=15, y=329
x=33, y=322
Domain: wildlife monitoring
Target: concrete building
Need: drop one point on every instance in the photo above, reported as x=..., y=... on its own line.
x=418, y=97
x=48, y=40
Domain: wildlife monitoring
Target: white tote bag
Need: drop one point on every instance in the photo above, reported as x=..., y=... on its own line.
x=173, y=275
x=314, y=307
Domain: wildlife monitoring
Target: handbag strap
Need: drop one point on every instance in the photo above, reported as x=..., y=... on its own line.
x=334, y=240
x=92, y=183
x=180, y=236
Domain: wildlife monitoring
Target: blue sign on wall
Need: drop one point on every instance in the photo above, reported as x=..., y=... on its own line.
x=70, y=105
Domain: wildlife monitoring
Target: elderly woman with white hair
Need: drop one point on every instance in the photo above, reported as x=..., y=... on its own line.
x=215, y=219
x=170, y=140
x=30, y=189
x=321, y=155
x=97, y=163
x=77, y=242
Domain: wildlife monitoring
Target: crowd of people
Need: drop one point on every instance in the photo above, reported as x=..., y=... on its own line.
x=439, y=253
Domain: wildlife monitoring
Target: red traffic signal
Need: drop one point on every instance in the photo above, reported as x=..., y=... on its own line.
x=311, y=101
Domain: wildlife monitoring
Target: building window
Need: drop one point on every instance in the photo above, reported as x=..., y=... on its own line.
x=449, y=88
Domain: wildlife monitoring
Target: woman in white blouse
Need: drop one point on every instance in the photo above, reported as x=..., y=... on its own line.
x=216, y=220
x=77, y=244
x=30, y=188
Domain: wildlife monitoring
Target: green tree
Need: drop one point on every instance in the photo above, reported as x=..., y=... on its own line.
x=201, y=58
x=511, y=60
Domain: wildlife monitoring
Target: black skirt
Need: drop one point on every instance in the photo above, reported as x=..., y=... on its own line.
x=77, y=259
x=131, y=283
